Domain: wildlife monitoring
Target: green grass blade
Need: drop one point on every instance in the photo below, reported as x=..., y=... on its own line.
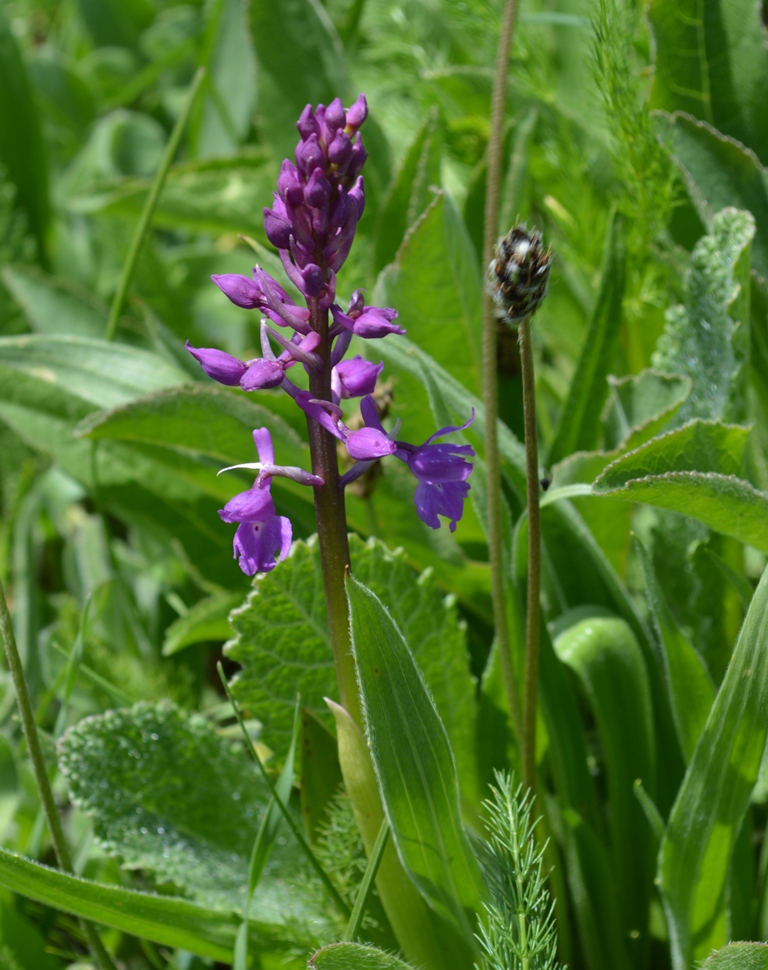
x=358, y=911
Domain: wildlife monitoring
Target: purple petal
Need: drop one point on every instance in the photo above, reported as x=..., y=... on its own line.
x=220, y=366
x=434, y=500
x=450, y=428
x=312, y=278
x=264, y=448
x=358, y=376
x=254, y=505
x=262, y=374
x=367, y=443
x=241, y=290
x=439, y=463
x=261, y=545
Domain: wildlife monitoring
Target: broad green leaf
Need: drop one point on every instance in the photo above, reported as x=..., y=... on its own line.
x=579, y=427
x=690, y=687
x=100, y=373
x=411, y=191
x=709, y=811
x=284, y=619
x=694, y=471
x=287, y=33
x=162, y=919
x=414, y=764
x=435, y=285
x=711, y=61
x=698, y=335
x=718, y=173
x=605, y=655
x=208, y=196
x=169, y=796
x=639, y=406
x=738, y=956
x=22, y=148
x=355, y=956
x=54, y=306
x=206, y=620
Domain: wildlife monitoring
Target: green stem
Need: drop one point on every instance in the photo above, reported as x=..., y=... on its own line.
x=40, y=771
x=149, y=206
x=331, y=516
x=534, y=557
x=490, y=372
x=356, y=919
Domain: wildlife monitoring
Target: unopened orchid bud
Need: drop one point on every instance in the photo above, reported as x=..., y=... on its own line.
x=335, y=116
x=309, y=156
x=312, y=277
x=307, y=124
x=357, y=114
x=278, y=231
x=357, y=157
x=262, y=374
x=318, y=190
x=241, y=290
x=218, y=365
x=340, y=149
x=289, y=184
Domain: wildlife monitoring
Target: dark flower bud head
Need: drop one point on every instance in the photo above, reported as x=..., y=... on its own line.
x=318, y=190
x=289, y=185
x=518, y=274
x=357, y=114
x=277, y=229
x=309, y=156
x=218, y=365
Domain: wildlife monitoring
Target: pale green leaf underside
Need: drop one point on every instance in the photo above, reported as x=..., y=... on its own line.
x=354, y=956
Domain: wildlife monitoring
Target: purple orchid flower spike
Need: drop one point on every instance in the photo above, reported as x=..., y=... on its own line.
x=368, y=322
x=442, y=472
x=262, y=538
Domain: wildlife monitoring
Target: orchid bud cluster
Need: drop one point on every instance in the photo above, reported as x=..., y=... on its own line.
x=317, y=206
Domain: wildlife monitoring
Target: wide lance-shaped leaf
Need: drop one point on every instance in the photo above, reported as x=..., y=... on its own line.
x=166, y=920
x=712, y=62
x=719, y=172
x=212, y=196
x=414, y=764
x=695, y=855
x=692, y=471
x=690, y=687
x=55, y=306
x=411, y=191
x=739, y=956
x=354, y=956
x=22, y=148
x=435, y=285
x=282, y=642
x=168, y=795
x=698, y=338
x=605, y=656
x=639, y=405
x=287, y=33
x=579, y=427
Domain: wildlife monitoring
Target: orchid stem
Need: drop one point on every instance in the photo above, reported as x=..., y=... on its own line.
x=40, y=771
x=490, y=374
x=331, y=517
x=534, y=557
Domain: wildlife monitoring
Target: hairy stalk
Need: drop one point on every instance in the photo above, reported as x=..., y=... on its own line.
x=149, y=206
x=331, y=518
x=490, y=375
x=534, y=557
x=40, y=771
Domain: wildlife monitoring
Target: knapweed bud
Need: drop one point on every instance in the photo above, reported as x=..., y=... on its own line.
x=518, y=274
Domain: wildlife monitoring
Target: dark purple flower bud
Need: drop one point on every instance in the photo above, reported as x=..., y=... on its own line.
x=220, y=366
x=318, y=190
x=253, y=505
x=262, y=374
x=357, y=157
x=356, y=377
x=289, y=184
x=335, y=116
x=338, y=248
x=357, y=114
x=279, y=231
x=340, y=209
x=357, y=192
x=312, y=279
x=340, y=149
x=307, y=124
x=368, y=443
x=241, y=290
x=309, y=156
x=260, y=546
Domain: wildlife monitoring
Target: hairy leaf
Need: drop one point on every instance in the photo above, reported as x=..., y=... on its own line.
x=354, y=956
x=639, y=406
x=739, y=956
